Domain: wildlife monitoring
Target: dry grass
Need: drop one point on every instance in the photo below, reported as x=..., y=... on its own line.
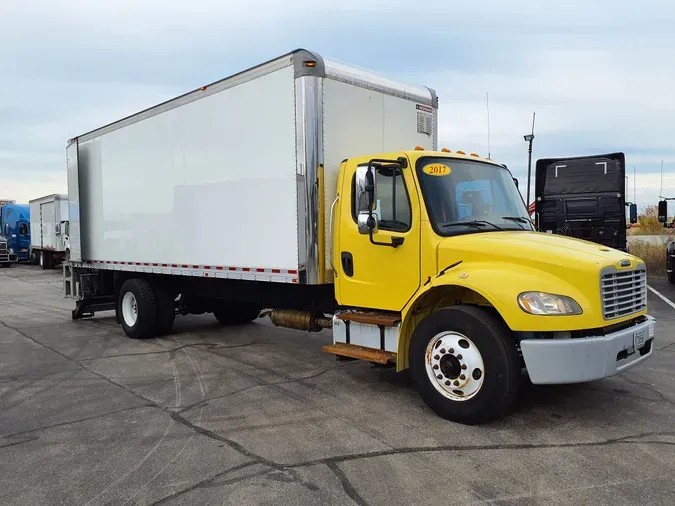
x=653, y=253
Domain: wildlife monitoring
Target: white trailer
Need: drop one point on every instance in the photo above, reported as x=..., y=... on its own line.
x=233, y=181
x=49, y=230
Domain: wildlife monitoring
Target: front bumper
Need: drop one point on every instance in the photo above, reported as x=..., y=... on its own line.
x=7, y=258
x=558, y=361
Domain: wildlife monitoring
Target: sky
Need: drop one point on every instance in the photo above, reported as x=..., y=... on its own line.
x=600, y=75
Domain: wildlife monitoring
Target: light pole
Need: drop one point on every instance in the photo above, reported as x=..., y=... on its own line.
x=529, y=138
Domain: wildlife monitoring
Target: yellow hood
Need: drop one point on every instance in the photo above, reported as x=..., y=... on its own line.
x=535, y=249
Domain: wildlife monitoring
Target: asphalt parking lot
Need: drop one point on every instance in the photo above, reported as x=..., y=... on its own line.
x=260, y=415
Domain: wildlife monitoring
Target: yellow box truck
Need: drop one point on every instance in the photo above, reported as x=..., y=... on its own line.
x=316, y=195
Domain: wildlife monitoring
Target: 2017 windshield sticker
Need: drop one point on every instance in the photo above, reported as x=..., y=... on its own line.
x=437, y=169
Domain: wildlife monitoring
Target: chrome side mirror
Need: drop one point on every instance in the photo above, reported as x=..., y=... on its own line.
x=365, y=189
x=367, y=223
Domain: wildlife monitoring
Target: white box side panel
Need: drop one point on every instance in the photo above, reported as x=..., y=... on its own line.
x=359, y=122
x=212, y=182
x=35, y=224
x=48, y=217
x=62, y=210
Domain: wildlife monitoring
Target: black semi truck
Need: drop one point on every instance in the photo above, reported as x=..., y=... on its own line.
x=584, y=197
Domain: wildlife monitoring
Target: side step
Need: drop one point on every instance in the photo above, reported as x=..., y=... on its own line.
x=370, y=317
x=361, y=353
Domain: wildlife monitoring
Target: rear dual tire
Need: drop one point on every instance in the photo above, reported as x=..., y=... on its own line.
x=235, y=313
x=144, y=310
x=465, y=364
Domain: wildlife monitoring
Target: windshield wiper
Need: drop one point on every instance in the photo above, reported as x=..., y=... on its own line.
x=517, y=219
x=474, y=223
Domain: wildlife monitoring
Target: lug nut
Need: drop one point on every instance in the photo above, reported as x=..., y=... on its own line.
x=456, y=383
x=435, y=366
x=462, y=377
x=452, y=350
x=464, y=367
x=447, y=383
x=443, y=350
x=436, y=357
x=440, y=376
x=459, y=357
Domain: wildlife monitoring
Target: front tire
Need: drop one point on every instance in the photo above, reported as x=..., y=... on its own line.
x=137, y=308
x=465, y=364
x=671, y=278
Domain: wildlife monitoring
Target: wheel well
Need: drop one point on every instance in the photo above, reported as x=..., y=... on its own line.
x=436, y=298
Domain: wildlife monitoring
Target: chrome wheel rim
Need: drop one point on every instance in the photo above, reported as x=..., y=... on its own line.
x=454, y=366
x=129, y=309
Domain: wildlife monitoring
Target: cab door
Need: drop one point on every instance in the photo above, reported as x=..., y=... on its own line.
x=378, y=276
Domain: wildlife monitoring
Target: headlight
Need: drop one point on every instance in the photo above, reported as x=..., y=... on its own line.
x=539, y=303
x=11, y=251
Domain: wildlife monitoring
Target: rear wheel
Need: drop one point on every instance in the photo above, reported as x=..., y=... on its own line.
x=166, y=308
x=45, y=260
x=137, y=309
x=237, y=313
x=465, y=364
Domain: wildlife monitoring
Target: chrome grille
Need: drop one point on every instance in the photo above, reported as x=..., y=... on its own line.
x=623, y=292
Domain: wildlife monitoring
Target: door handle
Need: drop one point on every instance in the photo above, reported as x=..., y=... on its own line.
x=347, y=263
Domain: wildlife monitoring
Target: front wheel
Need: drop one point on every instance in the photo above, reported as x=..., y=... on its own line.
x=671, y=278
x=465, y=364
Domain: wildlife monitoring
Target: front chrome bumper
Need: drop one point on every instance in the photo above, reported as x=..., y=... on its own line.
x=558, y=361
x=8, y=258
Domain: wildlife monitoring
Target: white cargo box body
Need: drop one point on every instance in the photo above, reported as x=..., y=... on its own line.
x=222, y=181
x=46, y=216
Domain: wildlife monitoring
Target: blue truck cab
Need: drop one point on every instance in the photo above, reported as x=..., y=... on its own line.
x=15, y=227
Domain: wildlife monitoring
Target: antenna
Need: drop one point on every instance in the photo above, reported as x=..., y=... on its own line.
x=533, y=114
x=661, y=177
x=487, y=103
x=634, y=184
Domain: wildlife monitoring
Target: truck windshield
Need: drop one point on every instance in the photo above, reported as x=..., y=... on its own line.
x=465, y=196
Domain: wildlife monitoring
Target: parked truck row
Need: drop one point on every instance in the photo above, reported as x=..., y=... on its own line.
x=35, y=233
x=327, y=205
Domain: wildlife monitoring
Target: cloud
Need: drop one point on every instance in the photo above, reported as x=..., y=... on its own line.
x=596, y=73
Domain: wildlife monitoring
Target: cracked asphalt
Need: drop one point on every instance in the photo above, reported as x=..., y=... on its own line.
x=260, y=415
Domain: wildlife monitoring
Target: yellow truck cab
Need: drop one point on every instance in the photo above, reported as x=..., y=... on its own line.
x=437, y=265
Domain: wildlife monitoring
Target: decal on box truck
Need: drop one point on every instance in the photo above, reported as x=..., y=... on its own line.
x=425, y=120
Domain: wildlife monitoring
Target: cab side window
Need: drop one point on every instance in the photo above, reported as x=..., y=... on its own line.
x=23, y=229
x=392, y=204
